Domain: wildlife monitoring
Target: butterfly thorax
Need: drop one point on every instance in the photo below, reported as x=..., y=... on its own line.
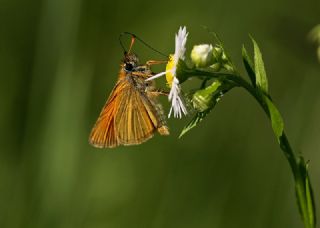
x=132, y=70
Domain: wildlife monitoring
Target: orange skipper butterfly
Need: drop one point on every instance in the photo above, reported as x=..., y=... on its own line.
x=132, y=113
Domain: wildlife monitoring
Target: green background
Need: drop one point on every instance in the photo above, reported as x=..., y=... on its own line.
x=58, y=63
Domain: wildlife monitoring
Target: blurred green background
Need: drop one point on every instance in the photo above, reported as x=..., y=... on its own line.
x=58, y=63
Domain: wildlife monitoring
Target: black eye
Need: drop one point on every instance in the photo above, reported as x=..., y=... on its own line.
x=128, y=66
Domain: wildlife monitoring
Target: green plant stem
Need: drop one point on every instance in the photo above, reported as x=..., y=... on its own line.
x=307, y=211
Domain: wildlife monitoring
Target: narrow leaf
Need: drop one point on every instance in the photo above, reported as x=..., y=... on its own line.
x=310, y=207
x=310, y=202
x=204, y=100
x=276, y=118
x=261, y=77
x=248, y=64
x=304, y=193
x=194, y=122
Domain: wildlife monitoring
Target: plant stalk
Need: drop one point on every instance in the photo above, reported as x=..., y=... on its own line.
x=302, y=187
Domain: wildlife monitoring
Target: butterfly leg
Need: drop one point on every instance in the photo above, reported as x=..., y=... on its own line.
x=157, y=92
x=155, y=62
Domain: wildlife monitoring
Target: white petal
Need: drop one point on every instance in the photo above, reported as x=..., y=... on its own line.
x=157, y=75
x=180, y=43
x=177, y=105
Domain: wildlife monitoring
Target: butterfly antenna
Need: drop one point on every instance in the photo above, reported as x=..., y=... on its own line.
x=133, y=37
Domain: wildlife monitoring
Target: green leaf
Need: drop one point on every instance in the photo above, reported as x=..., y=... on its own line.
x=308, y=210
x=276, y=118
x=261, y=77
x=310, y=202
x=304, y=194
x=194, y=122
x=204, y=100
x=248, y=64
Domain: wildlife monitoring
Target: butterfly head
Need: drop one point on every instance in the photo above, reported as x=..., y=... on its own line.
x=130, y=62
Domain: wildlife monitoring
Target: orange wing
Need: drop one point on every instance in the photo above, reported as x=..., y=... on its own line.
x=128, y=118
x=103, y=133
x=135, y=123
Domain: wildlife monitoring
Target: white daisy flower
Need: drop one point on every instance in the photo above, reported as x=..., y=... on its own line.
x=177, y=104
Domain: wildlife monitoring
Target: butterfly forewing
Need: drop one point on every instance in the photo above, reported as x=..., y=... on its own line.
x=134, y=124
x=103, y=133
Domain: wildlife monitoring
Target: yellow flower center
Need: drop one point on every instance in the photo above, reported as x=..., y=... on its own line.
x=169, y=75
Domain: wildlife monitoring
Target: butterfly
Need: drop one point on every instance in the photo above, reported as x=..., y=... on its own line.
x=132, y=113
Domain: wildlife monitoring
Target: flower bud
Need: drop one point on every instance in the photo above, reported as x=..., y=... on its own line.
x=216, y=67
x=217, y=53
x=204, y=99
x=202, y=55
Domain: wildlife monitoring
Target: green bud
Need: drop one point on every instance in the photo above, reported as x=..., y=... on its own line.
x=204, y=99
x=221, y=60
x=216, y=67
x=228, y=67
x=224, y=58
x=217, y=53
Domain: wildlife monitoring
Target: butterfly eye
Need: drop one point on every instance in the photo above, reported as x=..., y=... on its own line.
x=128, y=67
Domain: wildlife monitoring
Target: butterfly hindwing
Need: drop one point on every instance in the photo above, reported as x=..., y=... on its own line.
x=135, y=120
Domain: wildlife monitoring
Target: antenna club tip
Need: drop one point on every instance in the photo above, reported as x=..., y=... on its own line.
x=133, y=38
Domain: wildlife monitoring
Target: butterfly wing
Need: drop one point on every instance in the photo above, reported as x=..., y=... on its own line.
x=136, y=119
x=104, y=133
